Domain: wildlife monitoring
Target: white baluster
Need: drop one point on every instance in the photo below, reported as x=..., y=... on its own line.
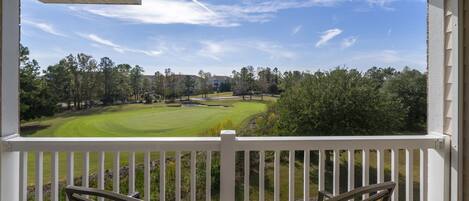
x=261, y=175
x=277, y=176
x=193, y=175
x=423, y=174
x=365, y=169
x=291, y=175
x=395, y=173
x=178, y=176
x=208, y=177
x=336, y=173
x=146, y=175
x=70, y=168
x=39, y=179
x=86, y=170
x=306, y=175
x=132, y=172
x=162, y=176
x=380, y=165
x=101, y=173
x=351, y=169
x=246, y=175
x=23, y=176
x=409, y=176
x=54, y=176
x=116, y=172
x=322, y=160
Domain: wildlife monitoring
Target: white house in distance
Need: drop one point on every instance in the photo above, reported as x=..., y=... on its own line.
x=444, y=151
x=218, y=80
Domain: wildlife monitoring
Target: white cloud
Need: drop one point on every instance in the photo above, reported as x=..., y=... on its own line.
x=203, y=6
x=217, y=50
x=385, y=4
x=348, y=42
x=383, y=56
x=327, y=36
x=100, y=40
x=296, y=29
x=196, y=12
x=275, y=51
x=118, y=48
x=212, y=49
x=45, y=27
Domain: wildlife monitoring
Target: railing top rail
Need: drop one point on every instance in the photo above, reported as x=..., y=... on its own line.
x=112, y=144
x=213, y=143
x=338, y=142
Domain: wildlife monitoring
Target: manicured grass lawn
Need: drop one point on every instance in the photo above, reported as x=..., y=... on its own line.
x=136, y=120
x=222, y=94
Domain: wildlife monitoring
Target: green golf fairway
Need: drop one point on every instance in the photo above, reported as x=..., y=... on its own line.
x=140, y=120
x=145, y=121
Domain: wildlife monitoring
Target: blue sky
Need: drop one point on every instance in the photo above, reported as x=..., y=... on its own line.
x=221, y=35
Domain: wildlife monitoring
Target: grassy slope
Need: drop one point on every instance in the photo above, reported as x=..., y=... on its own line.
x=145, y=121
x=134, y=121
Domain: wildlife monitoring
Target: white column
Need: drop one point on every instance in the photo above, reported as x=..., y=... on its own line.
x=9, y=123
x=227, y=165
x=438, y=159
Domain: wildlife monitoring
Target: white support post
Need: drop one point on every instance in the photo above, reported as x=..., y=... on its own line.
x=438, y=159
x=9, y=120
x=227, y=165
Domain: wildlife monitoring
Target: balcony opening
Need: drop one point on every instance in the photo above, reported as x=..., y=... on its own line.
x=103, y=87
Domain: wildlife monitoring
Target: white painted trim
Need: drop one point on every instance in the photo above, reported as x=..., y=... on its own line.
x=114, y=2
x=227, y=164
x=9, y=106
x=216, y=143
x=458, y=99
x=438, y=171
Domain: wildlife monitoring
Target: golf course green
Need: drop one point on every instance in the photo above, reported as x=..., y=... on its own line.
x=139, y=120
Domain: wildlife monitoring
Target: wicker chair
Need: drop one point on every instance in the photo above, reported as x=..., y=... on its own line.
x=382, y=191
x=75, y=193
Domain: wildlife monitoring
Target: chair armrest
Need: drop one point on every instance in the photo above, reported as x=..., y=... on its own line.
x=324, y=194
x=135, y=195
x=75, y=193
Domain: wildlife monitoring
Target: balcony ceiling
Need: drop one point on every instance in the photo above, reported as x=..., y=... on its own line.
x=134, y=2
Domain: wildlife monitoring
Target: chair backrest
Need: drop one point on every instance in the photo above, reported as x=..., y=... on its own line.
x=75, y=193
x=382, y=191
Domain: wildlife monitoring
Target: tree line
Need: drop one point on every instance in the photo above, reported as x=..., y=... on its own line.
x=347, y=102
x=80, y=82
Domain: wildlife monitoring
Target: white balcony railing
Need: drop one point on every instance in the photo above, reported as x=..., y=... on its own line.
x=342, y=149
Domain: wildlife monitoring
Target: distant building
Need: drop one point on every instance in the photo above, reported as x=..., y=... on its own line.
x=218, y=80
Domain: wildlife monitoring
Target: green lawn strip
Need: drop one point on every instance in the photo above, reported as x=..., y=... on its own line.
x=222, y=94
